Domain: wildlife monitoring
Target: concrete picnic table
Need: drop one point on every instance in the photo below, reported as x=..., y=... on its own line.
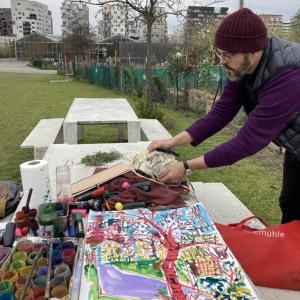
x=101, y=111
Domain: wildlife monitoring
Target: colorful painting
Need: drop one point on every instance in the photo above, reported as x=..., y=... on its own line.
x=170, y=254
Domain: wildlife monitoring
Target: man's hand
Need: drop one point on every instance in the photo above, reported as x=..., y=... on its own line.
x=173, y=173
x=166, y=144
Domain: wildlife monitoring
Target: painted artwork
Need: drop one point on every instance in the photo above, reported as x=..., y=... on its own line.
x=170, y=254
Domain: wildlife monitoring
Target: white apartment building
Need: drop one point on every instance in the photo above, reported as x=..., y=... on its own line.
x=159, y=27
x=117, y=18
x=30, y=16
x=73, y=15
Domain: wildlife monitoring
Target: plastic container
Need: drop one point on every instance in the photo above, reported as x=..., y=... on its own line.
x=48, y=221
x=63, y=183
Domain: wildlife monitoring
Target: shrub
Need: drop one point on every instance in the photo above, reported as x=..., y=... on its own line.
x=149, y=111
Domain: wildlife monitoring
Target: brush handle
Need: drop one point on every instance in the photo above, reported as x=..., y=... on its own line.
x=28, y=197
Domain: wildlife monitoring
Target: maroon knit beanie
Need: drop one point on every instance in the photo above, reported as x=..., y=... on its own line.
x=243, y=31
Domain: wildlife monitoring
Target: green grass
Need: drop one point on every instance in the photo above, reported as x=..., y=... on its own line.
x=26, y=98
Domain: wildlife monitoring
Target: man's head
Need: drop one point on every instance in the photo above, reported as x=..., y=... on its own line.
x=240, y=41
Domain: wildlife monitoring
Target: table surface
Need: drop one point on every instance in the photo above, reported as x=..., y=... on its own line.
x=100, y=110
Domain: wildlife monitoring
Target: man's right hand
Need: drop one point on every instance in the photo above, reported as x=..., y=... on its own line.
x=166, y=144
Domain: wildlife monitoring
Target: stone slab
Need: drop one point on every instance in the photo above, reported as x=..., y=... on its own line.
x=44, y=133
x=152, y=129
x=100, y=111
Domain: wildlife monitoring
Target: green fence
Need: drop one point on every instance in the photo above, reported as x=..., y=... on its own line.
x=129, y=79
x=123, y=78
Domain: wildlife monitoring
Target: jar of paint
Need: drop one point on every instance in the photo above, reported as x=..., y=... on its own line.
x=11, y=275
x=21, y=282
x=19, y=255
x=57, y=280
x=59, y=291
x=39, y=282
x=19, y=293
x=25, y=271
x=48, y=221
x=7, y=288
x=17, y=265
x=25, y=245
x=68, y=256
x=63, y=270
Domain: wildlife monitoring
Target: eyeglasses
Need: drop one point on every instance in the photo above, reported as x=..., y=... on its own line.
x=225, y=56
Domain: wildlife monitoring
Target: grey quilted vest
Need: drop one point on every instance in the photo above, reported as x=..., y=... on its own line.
x=278, y=56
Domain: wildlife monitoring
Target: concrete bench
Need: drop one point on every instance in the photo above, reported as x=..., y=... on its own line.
x=224, y=207
x=45, y=133
x=152, y=129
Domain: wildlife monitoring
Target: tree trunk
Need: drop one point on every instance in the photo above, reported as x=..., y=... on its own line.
x=149, y=62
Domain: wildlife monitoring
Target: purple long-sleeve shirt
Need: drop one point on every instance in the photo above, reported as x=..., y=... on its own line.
x=278, y=101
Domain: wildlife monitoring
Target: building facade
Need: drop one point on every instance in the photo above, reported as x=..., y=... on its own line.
x=200, y=14
x=73, y=15
x=274, y=23
x=286, y=29
x=5, y=22
x=30, y=17
x=115, y=19
x=159, y=27
x=118, y=18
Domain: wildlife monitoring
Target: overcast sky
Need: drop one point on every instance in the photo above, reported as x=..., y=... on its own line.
x=287, y=8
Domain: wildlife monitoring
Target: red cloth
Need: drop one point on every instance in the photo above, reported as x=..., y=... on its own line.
x=271, y=257
x=160, y=195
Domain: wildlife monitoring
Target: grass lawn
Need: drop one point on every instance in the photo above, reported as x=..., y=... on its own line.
x=27, y=98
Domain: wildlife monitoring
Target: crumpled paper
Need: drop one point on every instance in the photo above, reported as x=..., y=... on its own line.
x=152, y=163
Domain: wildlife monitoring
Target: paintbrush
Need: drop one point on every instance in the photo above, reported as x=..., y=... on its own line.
x=37, y=257
x=47, y=291
x=26, y=207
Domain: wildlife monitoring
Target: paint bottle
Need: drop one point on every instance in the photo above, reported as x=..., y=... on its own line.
x=79, y=226
x=48, y=221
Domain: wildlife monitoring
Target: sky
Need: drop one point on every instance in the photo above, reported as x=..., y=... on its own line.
x=287, y=8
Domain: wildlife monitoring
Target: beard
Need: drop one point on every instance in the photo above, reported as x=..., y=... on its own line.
x=238, y=74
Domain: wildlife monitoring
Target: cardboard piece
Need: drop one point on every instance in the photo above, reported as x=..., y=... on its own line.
x=92, y=181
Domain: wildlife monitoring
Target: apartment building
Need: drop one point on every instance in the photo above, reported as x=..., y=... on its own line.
x=29, y=17
x=5, y=22
x=273, y=22
x=286, y=29
x=200, y=14
x=73, y=15
x=118, y=18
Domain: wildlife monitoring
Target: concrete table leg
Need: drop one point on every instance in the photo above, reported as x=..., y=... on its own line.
x=134, y=131
x=70, y=133
x=80, y=131
x=122, y=132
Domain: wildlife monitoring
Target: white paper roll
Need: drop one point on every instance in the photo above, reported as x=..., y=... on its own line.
x=35, y=175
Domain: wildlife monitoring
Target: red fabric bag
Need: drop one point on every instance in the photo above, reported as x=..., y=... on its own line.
x=271, y=256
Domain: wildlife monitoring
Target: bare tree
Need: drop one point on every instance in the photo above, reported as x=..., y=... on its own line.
x=148, y=11
x=78, y=42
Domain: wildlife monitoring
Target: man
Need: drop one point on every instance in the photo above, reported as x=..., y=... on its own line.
x=264, y=78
